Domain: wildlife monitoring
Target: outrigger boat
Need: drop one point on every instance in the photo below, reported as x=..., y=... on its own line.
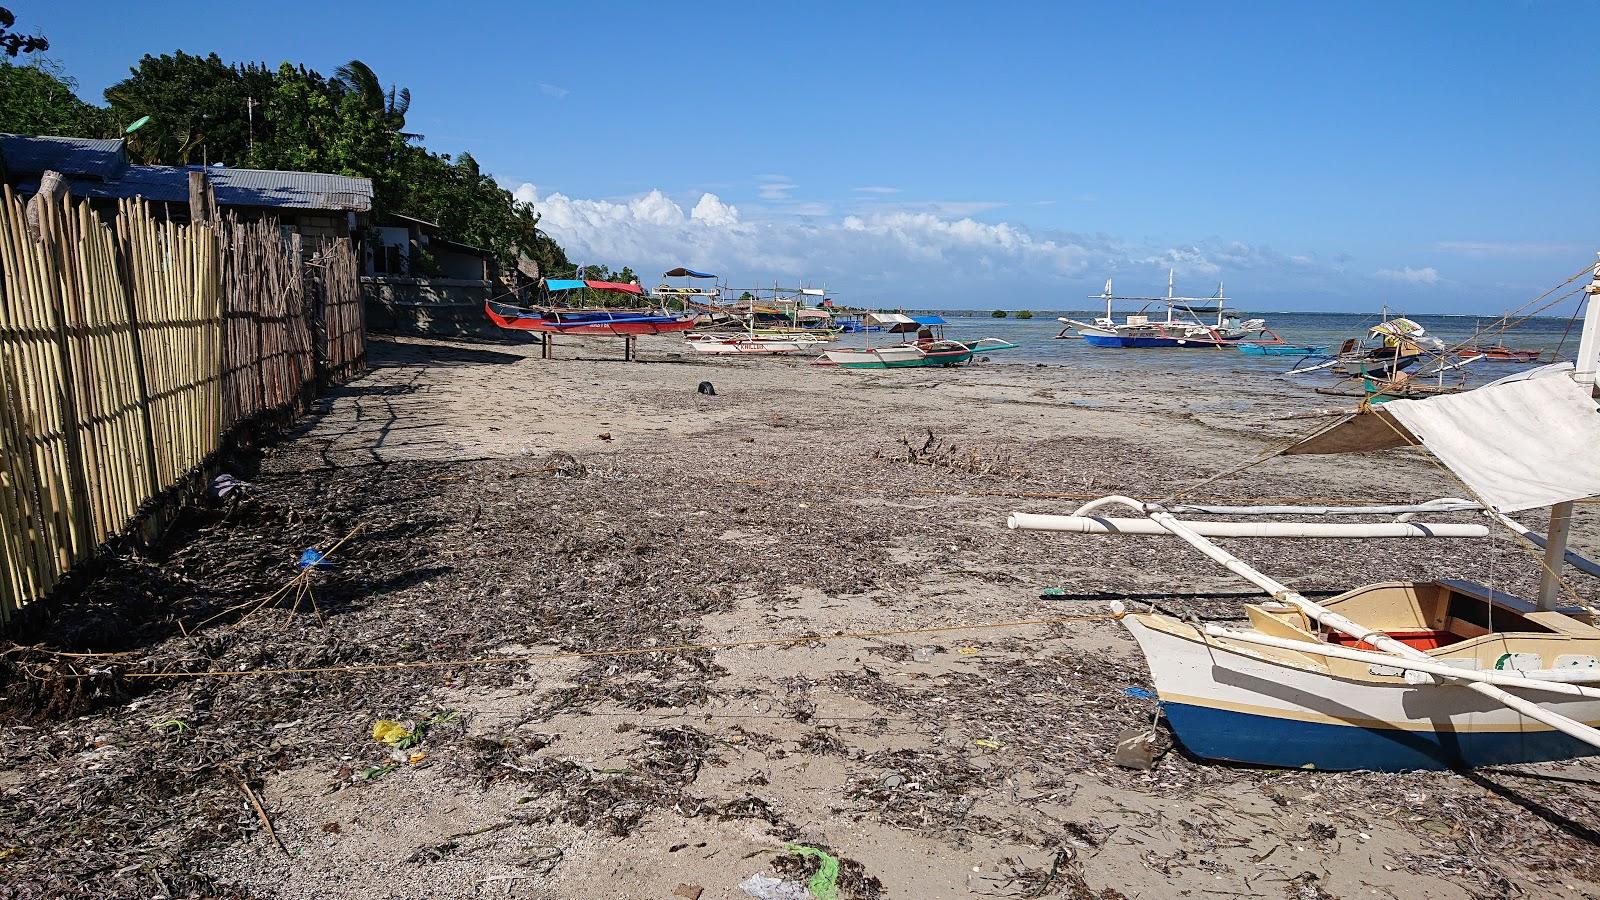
x=1182, y=327
x=590, y=321
x=1399, y=675
x=756, y=341
x=1498, y=351
x=929, y=349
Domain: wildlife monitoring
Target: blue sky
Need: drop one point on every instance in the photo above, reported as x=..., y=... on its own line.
x=1437, y=157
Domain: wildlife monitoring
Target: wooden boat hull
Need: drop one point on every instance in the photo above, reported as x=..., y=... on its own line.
x=906, y=357
x=1231, y=705
x=587, y=322
x=753, y=346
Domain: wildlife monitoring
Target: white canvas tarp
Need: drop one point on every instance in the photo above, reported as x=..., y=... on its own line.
x=1518, y=445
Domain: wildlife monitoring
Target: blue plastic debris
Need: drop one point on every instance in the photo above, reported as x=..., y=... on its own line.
x=314, y=559
x=1139, y=692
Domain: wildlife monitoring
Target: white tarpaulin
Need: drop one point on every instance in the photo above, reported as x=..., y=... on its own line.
x=1519, y=445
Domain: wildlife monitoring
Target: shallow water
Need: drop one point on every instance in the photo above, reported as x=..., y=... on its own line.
x=1037, y=342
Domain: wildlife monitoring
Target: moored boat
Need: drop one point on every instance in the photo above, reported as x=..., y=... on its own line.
x=1181, y=328
x=1251, y=348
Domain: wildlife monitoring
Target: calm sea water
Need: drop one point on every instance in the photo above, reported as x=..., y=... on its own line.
x=1038, y=342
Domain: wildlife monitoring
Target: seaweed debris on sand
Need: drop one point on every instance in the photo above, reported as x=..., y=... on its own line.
x=766, y=578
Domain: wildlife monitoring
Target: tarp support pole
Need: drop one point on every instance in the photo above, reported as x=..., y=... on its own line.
x=1555, y=554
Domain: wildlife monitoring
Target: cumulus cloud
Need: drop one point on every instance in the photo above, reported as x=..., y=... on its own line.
x=883, y=255
x=1408, y=275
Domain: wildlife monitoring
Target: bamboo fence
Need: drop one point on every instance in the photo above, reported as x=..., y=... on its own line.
x=130, y=353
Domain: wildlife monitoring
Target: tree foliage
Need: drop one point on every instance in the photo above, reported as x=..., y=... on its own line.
x=38, y=98
x=206, y=111
x=13, y=43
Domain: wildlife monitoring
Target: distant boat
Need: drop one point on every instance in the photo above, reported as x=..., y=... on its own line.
x=1498, y=351
x=1250, y=348
x=1182, y=328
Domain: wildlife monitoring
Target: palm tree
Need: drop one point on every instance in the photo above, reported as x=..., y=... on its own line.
x=357, y=78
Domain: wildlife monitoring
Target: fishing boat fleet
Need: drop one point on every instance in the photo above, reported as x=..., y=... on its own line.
x=1396, y=357
x=764, y=321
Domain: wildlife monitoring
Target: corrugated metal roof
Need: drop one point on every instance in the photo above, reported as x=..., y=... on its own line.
x=234, y=187
x=74, y=157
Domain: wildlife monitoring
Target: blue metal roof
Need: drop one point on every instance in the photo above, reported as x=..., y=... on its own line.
x=234, y=187
x=929, y=320
x=73, y=157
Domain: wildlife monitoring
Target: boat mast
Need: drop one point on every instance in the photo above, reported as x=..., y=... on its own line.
x=1584, y=372
x=1169, y=297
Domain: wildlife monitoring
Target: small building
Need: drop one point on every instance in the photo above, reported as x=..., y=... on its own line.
x=314, y=204
x=404, y=246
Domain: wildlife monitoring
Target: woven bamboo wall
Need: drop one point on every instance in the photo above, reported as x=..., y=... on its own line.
x=128, y=353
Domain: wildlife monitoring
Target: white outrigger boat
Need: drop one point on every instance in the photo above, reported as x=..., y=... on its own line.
x=1182, y=327
x=1400, y=675
x=930, y=348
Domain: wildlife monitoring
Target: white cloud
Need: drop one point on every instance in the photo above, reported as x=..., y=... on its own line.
x=877, y=190
x=1408, y=275
x=775, y=187
x=877, y=256
x=553, y=90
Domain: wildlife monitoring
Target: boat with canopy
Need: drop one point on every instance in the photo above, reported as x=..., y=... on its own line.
x=587, y=321
x=1398, y=675
x=929, y=348
x=1182, y=327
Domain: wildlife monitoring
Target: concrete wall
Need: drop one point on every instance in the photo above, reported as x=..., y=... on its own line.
x=433, y=307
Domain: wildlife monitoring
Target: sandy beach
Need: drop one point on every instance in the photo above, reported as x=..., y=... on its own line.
x=825, y=553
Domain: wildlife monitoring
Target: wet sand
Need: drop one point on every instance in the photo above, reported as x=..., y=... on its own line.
x=517, y=506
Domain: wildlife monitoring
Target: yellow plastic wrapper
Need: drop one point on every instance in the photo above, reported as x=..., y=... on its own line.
x=389, y=731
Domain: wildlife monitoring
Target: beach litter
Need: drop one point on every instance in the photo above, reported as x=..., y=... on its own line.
x=766, y=887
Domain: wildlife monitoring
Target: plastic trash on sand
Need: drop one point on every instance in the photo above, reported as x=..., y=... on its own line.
x=825, y=884
x=766, y=887
x=390, y=732
x=1139, y=748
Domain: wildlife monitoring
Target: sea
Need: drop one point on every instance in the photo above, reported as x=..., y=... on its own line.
x=1037, y=342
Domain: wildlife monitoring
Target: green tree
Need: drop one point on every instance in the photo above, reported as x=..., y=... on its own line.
x=38, y=98
x=998, y=314
x=1025, y=314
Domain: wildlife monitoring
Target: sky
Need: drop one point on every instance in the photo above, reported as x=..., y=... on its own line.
x=1433, y=157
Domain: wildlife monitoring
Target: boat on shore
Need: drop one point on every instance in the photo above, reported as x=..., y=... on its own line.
x=1398, y=675
x=756, y=342
x=1181, y=328
x=930, y=348
x=602, y=321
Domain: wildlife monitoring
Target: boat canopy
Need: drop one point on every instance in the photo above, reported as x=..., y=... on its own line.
x=681, y=272
x=890, y=319
x=1518, y=445
x=929, y=320
x=573, y=284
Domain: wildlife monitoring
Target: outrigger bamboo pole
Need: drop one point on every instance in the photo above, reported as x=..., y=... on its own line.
x=1104, y=525
x=1330, y=619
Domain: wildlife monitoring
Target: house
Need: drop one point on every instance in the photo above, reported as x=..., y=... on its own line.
x=311, y=203
x=406, y=246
